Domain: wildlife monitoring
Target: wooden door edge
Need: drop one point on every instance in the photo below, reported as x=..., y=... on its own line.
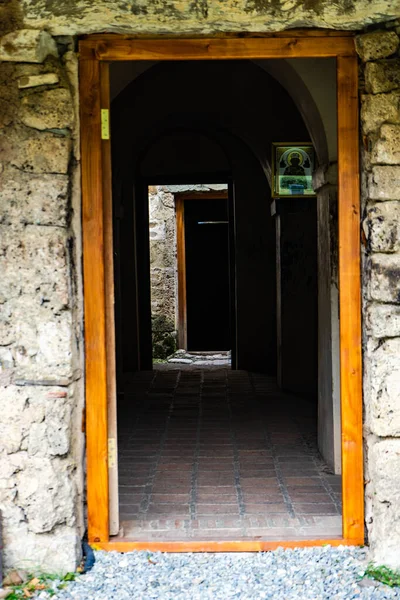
x=94, y=303
x=350, y=298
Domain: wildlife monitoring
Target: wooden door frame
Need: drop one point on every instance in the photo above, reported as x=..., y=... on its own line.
x=180, y=199
x=95, y=52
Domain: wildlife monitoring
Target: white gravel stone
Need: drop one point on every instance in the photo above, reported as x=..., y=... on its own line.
x=300, y=574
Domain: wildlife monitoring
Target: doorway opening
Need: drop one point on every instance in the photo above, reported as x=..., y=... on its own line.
x=223, y=274
x=206, y=273
x=199, y=442
x=192, y=276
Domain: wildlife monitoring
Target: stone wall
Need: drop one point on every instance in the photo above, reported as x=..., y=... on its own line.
x=163, y=270
x=41, y=386
x=41, y=350
x=162, y=252
x=202, y=16
x=380, y=117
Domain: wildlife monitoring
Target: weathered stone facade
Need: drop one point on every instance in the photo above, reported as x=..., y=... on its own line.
x=41, y=396
x=41, y=344
x=202, y=16
x=380, y=121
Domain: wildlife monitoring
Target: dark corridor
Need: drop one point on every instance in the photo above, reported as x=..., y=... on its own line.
x=219, y=137
x=207, y=274
x=218, y=453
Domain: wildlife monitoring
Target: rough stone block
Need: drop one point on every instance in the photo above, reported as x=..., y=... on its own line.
x=51, y=109
x=163, y=284
x=382, y=76
x=384, y=227
x=45, y=154
x=56, y=552
x=385, y=278
x=384, y=183
x=51, y=436
x=11, y=465
x=383, y=320
x=378, y=109
x=71, y=66
x=29, y=81
x=36, y=419
x=33, y=199
x=203, y=17
x=27, y=45
x=46, y=494
x=9, y=95
x=157, y=230
x=387, y=148
x=384, y=531
x=379, y=44
x=34, y=258
x=12, y=406
x=325, y=175
x=35, y=311
x=42, y=347
x=384, y=387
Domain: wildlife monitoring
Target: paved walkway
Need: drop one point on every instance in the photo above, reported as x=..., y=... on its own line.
x=221, y=454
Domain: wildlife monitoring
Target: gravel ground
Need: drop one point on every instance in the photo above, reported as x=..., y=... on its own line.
x=301, y=574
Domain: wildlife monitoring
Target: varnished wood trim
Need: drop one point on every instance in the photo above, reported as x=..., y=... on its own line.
x=181, y=263
x=350, y=299
x=94, y=301
x=119, y=48
x=109, y=308
x=94, y=50
x=126, y=545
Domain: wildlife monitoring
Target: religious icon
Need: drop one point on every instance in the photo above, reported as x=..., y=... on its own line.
x=292, y=169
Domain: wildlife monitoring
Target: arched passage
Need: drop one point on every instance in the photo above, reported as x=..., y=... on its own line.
x=242, y=120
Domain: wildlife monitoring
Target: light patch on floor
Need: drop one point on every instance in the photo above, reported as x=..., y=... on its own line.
x=184, y=360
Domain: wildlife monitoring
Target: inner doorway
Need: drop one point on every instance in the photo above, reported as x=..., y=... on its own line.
x=207, y=274
x=192, y=273
x=349, y=525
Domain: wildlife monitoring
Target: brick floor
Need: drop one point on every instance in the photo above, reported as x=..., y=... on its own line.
x=221, y=455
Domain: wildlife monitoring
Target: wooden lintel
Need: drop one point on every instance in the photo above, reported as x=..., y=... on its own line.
x=120, y=48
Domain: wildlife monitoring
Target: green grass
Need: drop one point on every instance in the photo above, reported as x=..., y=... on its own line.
x=38, y=583
x=383, y=574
